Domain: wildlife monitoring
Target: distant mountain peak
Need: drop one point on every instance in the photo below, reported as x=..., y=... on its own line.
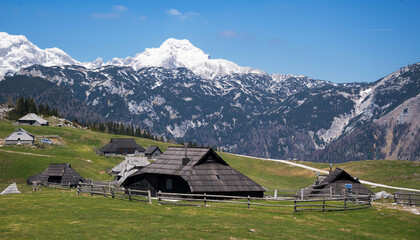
x=16, y=52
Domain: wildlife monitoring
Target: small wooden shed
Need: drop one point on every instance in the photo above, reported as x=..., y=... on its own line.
x=337, y=180
x=153, y=152
x=193, y=170
x=57, y=174
x=20, y=136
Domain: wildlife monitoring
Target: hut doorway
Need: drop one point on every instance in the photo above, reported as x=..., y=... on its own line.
x=54, y=179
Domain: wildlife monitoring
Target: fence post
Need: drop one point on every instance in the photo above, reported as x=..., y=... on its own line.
x=249, y=202
x=331, y=192
x=343, y=193
x=295, y=206
x=409, y=199
x=159, y=196
x=357, y=197
x=345, y=204
x=395, y=197
x=149, y=196
x=129, y=194
x=275, y=194
x=78, y=189
x=205, y=200
x=91, y=189
x=103, y=188
x=301, y=194
x=112, y=192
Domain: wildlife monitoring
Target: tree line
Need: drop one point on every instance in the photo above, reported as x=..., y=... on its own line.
x=24, y=106
x=129, y=130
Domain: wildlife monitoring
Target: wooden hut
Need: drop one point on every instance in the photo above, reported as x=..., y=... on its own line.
x=153, y=152
x=193, y=170
x=337, y=180
x=122, y=146
x=20, y=136
x=57, y=174
x=31, y=119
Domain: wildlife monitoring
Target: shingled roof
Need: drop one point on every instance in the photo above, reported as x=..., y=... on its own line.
x=68, y=175
x=151, y=149
x=33, y=117
x=338, y=174
x=20, y=134
x=118, y=143
x=205, y=171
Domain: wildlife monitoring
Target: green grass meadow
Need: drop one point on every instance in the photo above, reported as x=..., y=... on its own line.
x=63, y=214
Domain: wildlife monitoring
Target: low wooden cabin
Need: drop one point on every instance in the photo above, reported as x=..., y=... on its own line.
x=193, y=170
x=57, y=174
x=153, y=152
x=122, y=146
x=337, y=180
x=31, y=119
x=20, y=136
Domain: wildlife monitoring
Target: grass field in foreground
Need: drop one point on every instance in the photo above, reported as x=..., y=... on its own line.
x=62, y=214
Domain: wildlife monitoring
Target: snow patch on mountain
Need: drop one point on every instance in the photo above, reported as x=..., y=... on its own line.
x=174, y=53
x=16, y=52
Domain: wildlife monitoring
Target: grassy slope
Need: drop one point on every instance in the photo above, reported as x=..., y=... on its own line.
x=53, y=214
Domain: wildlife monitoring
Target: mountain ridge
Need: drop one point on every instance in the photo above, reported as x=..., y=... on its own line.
x=254, y=113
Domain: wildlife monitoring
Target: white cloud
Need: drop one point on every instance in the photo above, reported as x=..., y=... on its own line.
x=174, y=12
x=120, y=8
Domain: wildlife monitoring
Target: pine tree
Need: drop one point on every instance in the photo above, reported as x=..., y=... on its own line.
x=32, y=106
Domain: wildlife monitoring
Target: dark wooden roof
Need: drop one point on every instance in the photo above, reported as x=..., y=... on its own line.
x=117, y=143
x=205, y=171
x=151, y=149
x=338, y=174
x=67, y=174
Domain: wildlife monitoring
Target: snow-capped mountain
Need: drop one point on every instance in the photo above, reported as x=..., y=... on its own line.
x=16, y=52
x=174, y=53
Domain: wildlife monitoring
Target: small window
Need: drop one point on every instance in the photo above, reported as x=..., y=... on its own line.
x=218, y=177
x=169, y=184
x=19, y=133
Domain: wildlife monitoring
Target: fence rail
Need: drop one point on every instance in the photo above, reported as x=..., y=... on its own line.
x=407, y=198
x=191, y=199
x=115, y=192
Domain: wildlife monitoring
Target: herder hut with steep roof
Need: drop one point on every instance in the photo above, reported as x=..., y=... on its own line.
x=57, y=174
x=153, y=152
x=20, y=136
x=31, y=119
x=193, y=170
x=122, y=146
x=337, y=180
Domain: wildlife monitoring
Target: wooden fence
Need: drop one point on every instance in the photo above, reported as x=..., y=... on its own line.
x=337, y=204
x=115, y=192
x=407, y=198
x=291, y=200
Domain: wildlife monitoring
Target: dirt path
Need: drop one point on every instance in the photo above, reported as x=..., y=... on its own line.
x=323, y=171
x=25, y=153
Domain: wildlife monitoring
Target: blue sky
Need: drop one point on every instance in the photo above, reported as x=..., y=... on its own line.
x=339, y=41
